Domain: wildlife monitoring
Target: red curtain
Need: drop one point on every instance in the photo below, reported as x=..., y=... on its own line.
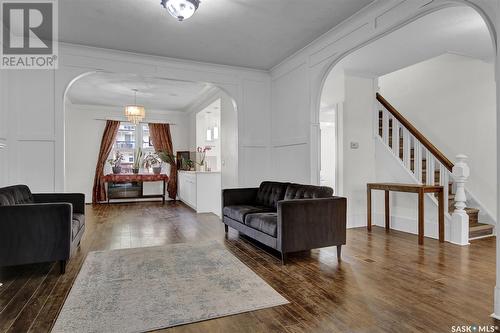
x=107, y=141
x=162, y=141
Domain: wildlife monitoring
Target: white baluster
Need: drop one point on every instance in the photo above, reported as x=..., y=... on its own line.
x=444, y=181
x=385, y=127
x=395, y=137
x=406, y=149
x=418, y=159
x=430, y=168
x=460, y=219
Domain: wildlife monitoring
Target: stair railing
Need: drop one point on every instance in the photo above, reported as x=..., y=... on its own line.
x=418, y=155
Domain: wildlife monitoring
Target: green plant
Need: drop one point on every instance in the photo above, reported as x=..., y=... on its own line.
x=137, y=158
x=116, y=161
x=187, y=164
x=151, y=160
x=166, y=157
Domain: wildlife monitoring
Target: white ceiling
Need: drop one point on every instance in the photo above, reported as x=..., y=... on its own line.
x=460, y=30
x=110, y=89
x=257, y=34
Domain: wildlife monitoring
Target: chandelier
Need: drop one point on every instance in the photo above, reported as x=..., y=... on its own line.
x=181, y=9
x=135, y=113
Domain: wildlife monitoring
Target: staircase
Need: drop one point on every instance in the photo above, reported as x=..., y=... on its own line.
x=424, y=161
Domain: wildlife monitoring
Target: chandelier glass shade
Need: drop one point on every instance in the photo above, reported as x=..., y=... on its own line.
x=181, y=9
x=135, y=113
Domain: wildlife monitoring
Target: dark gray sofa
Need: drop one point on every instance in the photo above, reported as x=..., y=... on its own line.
x=39, y=227
x=287, y=217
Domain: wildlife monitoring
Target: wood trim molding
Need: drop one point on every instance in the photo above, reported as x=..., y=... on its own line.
x=416, y=133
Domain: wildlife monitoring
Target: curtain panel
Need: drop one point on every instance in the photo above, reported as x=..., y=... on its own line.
x=162, y=141
x=107, y=141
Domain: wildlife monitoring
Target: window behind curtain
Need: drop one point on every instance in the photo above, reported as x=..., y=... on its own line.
x=130, y=137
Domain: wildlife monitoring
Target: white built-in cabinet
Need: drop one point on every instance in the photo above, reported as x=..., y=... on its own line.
x=200, y=191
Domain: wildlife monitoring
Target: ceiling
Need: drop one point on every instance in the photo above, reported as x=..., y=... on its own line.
x=459, y=30
x=110, y=89
x=257, y=34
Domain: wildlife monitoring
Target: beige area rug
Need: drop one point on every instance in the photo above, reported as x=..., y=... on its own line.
x=143, y=289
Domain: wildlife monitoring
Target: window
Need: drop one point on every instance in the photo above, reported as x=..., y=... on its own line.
x=127, y=140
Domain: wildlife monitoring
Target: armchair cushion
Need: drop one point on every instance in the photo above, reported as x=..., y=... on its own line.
x=265, y=222
x=15, y=195
x=238, y=213
x=270, y=193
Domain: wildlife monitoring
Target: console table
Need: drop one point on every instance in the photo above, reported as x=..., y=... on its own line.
x=408, y=188
x=135, y=191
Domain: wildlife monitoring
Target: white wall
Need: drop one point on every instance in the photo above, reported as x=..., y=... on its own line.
x=83, y=139
x=208, y=118
x=358, y=164
x=451, y=100
x=232, y=151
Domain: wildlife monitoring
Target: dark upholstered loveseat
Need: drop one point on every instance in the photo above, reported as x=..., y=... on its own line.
x=287, y=217
x=39, y=227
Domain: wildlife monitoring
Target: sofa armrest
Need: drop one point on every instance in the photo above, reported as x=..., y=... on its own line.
x=305, y=224
x=239, y=196
x=35, y=233
x=76, y=199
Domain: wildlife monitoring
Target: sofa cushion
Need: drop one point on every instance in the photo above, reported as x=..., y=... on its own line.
x=265, y=222
x=15, y=195
x=297, y=191
x=238, y=213
x=270, y=193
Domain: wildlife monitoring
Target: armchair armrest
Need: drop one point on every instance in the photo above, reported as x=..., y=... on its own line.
x=35, y=233
x=305, y=224
x=76, y=199
x=239, y=196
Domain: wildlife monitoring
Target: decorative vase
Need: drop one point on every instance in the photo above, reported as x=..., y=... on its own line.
x=157, y=170
x=135, y=171
x=117, y=170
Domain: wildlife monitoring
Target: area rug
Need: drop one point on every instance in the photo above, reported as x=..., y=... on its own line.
x=143, y=289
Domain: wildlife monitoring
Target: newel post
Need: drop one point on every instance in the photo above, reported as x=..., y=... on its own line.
x=460, y=219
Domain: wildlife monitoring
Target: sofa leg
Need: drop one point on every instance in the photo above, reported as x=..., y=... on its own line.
x=339, y=252
x=63, y=266
x=283, y=258
x=226, y=228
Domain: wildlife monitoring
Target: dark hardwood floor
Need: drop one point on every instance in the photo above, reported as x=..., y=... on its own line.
x=385, y=282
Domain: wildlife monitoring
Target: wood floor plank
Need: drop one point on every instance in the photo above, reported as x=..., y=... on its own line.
x=384, y=283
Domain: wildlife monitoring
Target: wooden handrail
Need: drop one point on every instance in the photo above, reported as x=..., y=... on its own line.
x=416, y=133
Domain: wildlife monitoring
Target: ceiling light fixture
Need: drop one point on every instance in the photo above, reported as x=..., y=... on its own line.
x=181, y=9
x=135, y=113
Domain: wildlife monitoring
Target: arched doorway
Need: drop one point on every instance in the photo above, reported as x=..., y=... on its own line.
x=94, y=97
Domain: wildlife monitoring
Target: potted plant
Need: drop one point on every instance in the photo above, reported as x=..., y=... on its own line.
x=203, y=153
x=137, y=160
x=116, y=163
x=169, y=160
x=152, y=161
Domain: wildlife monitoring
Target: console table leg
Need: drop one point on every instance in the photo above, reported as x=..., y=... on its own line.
x=369, y=209
x=441, y=215
x=387, y=212
x=421, y=217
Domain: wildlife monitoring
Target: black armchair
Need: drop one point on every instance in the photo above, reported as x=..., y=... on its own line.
x=39, y=227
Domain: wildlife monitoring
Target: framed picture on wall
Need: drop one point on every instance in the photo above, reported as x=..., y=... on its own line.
x=182, y=155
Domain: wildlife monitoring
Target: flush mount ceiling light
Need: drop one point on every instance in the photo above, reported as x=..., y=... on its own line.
x=135, y=113
x=181, y=9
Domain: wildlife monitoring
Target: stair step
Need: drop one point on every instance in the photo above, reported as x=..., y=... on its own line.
x=480, y=230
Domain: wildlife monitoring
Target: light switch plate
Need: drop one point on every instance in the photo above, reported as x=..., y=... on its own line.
x=354, y=145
